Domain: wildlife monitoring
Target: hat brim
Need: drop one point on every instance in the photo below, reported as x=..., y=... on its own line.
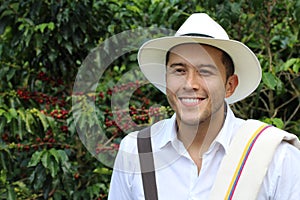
x=152, y=61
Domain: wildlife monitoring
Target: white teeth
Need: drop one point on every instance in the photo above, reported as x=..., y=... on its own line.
x=185, y=100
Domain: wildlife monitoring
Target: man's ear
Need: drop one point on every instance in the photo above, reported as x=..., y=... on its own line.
x=231, y=84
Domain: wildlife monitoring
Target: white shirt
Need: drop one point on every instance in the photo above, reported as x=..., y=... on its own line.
x=177, y=177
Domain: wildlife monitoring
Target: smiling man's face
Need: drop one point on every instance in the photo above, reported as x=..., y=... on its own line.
x=196, y=82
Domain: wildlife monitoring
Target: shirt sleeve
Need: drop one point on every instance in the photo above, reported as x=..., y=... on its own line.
x=119, y=187
x=288, y=187
x=124, y=171
x=283, y=177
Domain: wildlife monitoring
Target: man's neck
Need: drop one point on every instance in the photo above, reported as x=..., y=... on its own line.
x=199, y=138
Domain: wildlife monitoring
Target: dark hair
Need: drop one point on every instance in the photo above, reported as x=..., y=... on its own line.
x=228, y=63
x=226, y=59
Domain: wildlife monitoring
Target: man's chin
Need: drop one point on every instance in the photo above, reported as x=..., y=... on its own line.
x=190, y=121
x=194, y=120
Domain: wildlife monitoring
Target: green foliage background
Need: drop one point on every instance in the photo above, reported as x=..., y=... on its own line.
x=42, y=46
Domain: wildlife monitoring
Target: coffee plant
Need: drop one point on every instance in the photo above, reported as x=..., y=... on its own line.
x=43, y=46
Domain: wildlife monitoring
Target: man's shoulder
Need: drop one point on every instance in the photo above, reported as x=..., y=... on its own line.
x=286, y=149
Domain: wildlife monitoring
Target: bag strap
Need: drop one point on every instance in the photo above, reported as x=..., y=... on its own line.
x=247, y=160
x=147, y=164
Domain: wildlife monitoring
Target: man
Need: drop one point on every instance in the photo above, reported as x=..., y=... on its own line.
x=201, y=71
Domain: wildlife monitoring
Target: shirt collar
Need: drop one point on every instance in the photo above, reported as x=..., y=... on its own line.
x=167, y=132
x=227, y=131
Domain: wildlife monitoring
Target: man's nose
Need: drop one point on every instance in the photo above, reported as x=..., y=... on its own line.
x=193, y=80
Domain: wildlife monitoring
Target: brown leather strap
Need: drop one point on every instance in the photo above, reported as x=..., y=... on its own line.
x=147, y=164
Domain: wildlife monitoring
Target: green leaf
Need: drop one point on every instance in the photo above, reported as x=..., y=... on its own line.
x=296, y=67
x=3, y=176
x=103, y=171
x=269, y=80
x=55, y=154
x=43, y=26
x=21, y=113
x=11, y=193
x=8, y=117
x=2, y=124
x=10, y=74
x=69, y=47
x=293, y=63
x=13, y=113
x=53, y=167
x=45, y=159
x=2, y=111
x=279, y=86
x=174, y=17
x=40, y=178
x=49, y=163
x=3, y=72
x=20, y=127
x=62, y=156
x=51, y=122
x=29, y=121
x=278, y=122
x=35, y=158
x=51, y=26
x=43, y=119
x=6, y=13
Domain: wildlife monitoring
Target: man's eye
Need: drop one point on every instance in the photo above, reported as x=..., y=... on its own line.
x=205, y=72
x=179, y=70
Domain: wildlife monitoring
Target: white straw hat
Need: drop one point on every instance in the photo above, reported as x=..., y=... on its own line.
x=152, y=54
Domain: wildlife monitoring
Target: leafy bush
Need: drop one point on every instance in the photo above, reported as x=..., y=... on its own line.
x=43, y=45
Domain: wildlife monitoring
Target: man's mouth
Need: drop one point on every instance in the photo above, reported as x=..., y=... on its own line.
x=191, y=101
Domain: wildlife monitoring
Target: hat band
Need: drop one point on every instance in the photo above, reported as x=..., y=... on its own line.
x=197, y=35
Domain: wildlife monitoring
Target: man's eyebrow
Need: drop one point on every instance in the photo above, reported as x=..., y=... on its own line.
x=177, y=64
x=207, y=65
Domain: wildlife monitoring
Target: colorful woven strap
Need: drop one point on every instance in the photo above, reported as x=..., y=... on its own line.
x=243, y=161
x=247, y=160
